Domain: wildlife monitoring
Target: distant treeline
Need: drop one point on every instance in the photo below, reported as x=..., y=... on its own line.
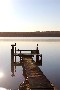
x=31, y=34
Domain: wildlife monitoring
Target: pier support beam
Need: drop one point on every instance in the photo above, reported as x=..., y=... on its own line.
x=12, y=52
x=12, y=58
x=37, y=52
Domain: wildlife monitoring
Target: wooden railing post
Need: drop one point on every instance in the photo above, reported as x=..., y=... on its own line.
x=12, y=58
x=12, y=52
x=37, y=52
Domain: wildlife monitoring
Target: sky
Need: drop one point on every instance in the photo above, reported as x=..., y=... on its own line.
x=29, y=15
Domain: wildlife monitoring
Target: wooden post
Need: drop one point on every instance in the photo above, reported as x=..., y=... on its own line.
x=41, y=60
x=20, y=56
x=12, y=53
x=15, y=54
x=37, y=56
x=12, y=59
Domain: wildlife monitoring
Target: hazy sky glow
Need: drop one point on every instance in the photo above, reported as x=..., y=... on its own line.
x=29, y=15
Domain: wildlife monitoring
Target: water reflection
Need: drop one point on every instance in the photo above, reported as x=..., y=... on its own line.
x=51, y=59
x=1, y=74
x=1, y=88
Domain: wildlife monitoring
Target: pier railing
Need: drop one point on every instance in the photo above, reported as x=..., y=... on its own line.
x=17, y=52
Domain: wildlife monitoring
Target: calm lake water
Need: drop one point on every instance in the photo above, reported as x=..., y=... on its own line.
x=49, y=48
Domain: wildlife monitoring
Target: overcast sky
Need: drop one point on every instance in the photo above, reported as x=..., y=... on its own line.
x=29, y=15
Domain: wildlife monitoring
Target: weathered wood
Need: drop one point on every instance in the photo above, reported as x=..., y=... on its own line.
x=36, y=79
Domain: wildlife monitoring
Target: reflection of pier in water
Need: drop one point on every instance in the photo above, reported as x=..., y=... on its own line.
x=34, y=77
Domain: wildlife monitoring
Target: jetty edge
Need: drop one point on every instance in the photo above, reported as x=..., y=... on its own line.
x=34, y=77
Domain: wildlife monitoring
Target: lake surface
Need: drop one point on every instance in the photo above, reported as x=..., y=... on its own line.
x=49, y=48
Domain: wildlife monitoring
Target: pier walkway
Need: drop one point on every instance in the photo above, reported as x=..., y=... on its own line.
x=34, y=77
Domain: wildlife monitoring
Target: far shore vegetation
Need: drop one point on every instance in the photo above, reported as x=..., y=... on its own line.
x=31, y=34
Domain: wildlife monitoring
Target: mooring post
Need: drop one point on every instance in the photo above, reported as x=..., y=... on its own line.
x=12, y=53
x=15, y=54
x=12, y=59
x=41, y=60
x=20, y=56
x=37, y=52
x=41, y=56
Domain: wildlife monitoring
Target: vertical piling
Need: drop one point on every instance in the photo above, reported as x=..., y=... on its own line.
x=41, y=60
x=37, y=52
x=20, y=56
x=15, y=54
x=12, y=58
x=12, y=54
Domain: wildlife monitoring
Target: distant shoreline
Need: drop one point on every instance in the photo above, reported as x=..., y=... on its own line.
x=31, y=34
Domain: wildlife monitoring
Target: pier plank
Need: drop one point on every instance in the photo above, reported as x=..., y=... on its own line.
x=37, y=80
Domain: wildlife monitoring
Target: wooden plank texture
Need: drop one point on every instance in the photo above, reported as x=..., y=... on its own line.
x=37, y=80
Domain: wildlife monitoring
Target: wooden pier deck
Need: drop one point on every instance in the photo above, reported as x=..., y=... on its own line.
x=34, y=77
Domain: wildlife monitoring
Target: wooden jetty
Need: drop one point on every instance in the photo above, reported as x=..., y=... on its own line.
x=34, y=77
